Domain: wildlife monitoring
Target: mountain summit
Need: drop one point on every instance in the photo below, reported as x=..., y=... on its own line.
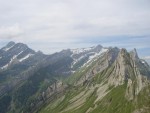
x=13, y=53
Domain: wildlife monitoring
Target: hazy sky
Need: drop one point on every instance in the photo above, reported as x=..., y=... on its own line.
x=52, y=25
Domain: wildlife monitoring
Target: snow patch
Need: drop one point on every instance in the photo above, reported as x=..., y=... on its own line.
x=95, y=56
x=6, y=49
x=11, y=60
x=92, y=57
x=77, y=60
x=81, y=50
x=73, y=71
x=19, y=53
x=5, y=66
x=24, y=58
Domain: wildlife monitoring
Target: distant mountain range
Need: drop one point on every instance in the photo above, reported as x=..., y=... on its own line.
x=83, y=80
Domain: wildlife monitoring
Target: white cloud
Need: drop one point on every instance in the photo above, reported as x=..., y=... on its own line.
x=67, y=21
x=146, y=57
x=10, y=32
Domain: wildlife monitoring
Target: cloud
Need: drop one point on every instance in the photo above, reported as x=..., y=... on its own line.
x=64, y=23
x=10, y=32
x=146, y=57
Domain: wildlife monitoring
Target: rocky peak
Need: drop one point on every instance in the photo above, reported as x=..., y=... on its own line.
x=66, y=52
x=112, y=54
x=97, y=48
x=8, y=46
x=13, y=53
x=119, y=74
x=126, y=69
x=11, y=43
x=123, y=53
x=21, y=46
x=134, y=54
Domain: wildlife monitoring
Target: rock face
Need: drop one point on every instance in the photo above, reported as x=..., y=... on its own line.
x=126, y=70
x=106, y=60
x=116, y=81
x=120, y=67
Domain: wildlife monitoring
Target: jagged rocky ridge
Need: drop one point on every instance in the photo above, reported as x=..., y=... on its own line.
x=22, y=67
x=117, y=81
x=86, y=80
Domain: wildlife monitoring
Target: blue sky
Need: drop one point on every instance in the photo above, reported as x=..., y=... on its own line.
x=53, y=25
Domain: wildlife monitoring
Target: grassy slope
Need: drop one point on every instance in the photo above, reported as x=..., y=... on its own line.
x=60, y=104
x=113, y=102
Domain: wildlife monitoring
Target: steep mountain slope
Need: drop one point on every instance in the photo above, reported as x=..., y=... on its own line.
x=83, y=80
x=28, y=78
x=117, y=81
x=16, y=60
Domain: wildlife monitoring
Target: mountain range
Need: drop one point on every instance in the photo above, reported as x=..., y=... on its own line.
x=84, y=80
